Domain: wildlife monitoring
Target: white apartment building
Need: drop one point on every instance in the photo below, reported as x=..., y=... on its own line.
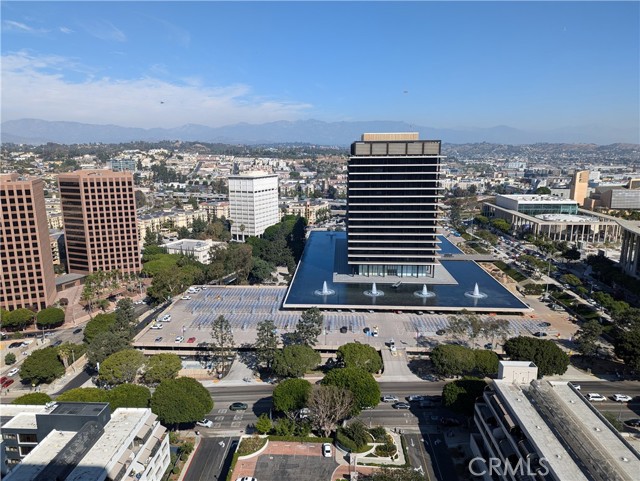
x=253, y=204
x=83, y=442
x=199, y=249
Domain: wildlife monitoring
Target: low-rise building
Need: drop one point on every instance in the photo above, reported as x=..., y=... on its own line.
x=199, y=249
x=82, y=441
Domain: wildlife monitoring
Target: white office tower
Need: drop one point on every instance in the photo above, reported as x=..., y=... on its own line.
x=253, y=204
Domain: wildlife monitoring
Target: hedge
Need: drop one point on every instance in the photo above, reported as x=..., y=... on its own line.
x=300, y=439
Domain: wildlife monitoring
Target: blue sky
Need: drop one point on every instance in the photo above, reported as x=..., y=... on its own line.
x=533, y=66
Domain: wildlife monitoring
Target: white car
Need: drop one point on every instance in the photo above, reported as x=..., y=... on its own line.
x=166, y=318
x=205, y=423
x=179, y=339
x=594, y=396
x=13, y=372
x=186, y=298
x=156, y=326
x=622, y=398
x=389, y=398
x=326, y=450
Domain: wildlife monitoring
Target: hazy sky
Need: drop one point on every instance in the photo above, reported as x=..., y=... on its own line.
x=538, y=65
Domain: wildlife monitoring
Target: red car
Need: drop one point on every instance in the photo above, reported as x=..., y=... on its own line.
x=7, y=383
x=3, y=379
x=191, y=340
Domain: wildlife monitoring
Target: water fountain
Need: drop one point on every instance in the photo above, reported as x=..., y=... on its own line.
x=374, y=292
x=325, y=290
x=424, y=293
x=476, y=294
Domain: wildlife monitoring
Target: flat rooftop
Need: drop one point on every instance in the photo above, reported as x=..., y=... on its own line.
x=568, y=218
x=538, y=198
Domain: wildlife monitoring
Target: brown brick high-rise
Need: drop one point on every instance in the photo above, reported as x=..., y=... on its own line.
x=100, y=225
x=28, y=279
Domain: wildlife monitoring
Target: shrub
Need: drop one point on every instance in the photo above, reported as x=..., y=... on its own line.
x=10, y=359
x=186, y=449
x=250, y=445
x=379, y=434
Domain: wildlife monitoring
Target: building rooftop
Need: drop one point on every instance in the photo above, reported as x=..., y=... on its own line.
x=573, y=218
x=253, y=174
x=538, y=198
x=190, y=244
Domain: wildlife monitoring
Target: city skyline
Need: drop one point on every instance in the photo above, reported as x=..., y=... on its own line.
x=528, y=65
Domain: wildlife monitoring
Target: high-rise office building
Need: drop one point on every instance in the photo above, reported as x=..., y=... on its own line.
x=579, y=185
x=28, y=279
x=392, y=206
x=101, y=231
x=253, y=204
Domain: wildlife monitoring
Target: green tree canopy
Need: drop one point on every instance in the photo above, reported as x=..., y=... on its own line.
x=121, y=367
x=100, y=323
x=42, y=366
x=10, y=359
x=33, y=398
x=84, y=394
x=266, y=343
x=586, y=339
x=294, y=361
x=160, y=367
x=129, y=396
x=363, y=356
x=105, y=344
x=181, y=400
x=365, y=389
x=545, y=354
x=49, y=317
x=309, y=327
x=18, y=319
x=222, y=342
x=125, y=317
x=627, y=346
x=291, y=395
x=452, y=360
x=461, y=395
x=486, y=362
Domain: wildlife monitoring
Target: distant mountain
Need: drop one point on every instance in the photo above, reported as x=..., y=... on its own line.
x=34, y=131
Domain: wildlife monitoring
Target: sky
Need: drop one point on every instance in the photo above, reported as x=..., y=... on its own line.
x=535, y=66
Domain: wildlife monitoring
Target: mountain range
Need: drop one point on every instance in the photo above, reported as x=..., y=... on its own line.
x=340, y=134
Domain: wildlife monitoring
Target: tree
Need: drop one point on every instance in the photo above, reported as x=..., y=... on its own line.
x=627, y=346
x=160, y=367
x=49, y=317
x=129, y=396
x=291, y=395
x=571, y=279
x=70, y=352
x=261, y=270
x=84, y=394
x=18, y=319
x=501, y=225
x=309, y=327
x=105, y=344
x=42, y=366
x=266, y=342
x=264, y=424
x=587, y=337
x=363, y=356
x=486, y=362
x=461, y=395
x=222, y=342
x=100, y=323
x=329, y=405
x=543, y=191
x=181, y=400
x=545, y=354
x=33, y=398
x=10, y=359
x=121, y=367
x=452, y=360
x=294, y=361
x=365, y=389
x=125, y=317
x=467, y=326
x=140, y=199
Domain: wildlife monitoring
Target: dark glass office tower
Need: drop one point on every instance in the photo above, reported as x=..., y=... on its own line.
x=393, y=204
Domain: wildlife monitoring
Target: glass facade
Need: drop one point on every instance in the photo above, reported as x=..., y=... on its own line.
x=535, y=209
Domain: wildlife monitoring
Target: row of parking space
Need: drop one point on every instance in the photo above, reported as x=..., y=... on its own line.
x=282, y=321
x=430, y=324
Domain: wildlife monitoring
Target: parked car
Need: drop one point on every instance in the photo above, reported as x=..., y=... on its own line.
x=390, y=398
x=159, y=339
x=400, y=405
x=191, y=340
x=7, y=383
x=577, y=387
x=246, y=478
x=185, y=298
x=540, y=334
x=77, y=331
x=179, y=338
x=238, y=407
x=326, y=450
x=544, y=324
x=156, y=326
x=166, y=318
x=12, y=372
x=205, y=423
x=13, y=345
x=441, y=332
x=594, y=396
x=488, y=345
x=622, y=398
x=57, y=343
x=632, y=423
